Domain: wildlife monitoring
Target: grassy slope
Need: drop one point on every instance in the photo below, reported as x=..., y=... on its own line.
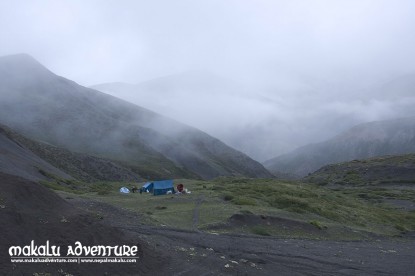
x=394, y=169
x=221, y=198
x=366, y=140
x=379, y=180
x=91, y=168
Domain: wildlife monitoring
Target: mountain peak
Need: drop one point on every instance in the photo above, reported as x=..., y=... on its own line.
x=21, y=58
x=22, y=69
x=60, y=112
x=21, y=61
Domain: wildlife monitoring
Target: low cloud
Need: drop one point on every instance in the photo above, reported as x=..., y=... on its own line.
x=288, y=72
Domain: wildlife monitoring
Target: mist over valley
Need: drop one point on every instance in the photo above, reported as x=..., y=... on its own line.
x=213, y=137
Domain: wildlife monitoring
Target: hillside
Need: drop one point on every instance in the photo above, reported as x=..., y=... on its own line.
x=34, y=154
x=30, y=212
x=15, y=159
x=362, y=141
x=219, y=106
x=385, y=170
x=49, y=108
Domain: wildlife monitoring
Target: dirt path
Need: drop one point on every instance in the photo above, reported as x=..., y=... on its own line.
x=198, y=202
x=199, y=253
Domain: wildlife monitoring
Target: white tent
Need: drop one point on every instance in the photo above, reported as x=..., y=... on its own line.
x=124, y=190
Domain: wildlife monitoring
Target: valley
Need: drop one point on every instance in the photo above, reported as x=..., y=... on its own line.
x=233, y=226
x=67, y=150
x=207, y=138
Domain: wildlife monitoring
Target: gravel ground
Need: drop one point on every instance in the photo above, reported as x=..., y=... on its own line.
x=198, y=253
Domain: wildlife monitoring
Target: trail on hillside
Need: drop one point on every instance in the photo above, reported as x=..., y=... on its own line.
x=195, y=220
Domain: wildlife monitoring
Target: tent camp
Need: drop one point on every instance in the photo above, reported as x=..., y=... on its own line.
x=159, y=187
x=124, y=190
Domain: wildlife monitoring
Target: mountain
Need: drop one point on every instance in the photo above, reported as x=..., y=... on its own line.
x=65, y=163
x=384, y=170
x=226, y=109
x=378, y=138
x=48, y=108
x=17, y=160
x=270, y=118
x=402, y=86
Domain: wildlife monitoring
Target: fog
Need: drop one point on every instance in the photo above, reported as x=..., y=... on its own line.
x=263, y=76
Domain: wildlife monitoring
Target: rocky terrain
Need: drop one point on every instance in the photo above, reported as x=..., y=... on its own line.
x=33, y=212
x=18, y=160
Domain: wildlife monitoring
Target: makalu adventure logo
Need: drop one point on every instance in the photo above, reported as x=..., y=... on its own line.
x=76, y=253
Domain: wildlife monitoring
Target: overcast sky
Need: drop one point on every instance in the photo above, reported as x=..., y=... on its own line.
x=331, y=47
x=101, y=41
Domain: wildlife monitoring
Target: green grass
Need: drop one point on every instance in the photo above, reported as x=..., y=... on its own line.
x=384, y=170
x=401, y=228
x=260, y=230
x=241, y=200
x=317, y=224
x=224, y=197
x=375, y=194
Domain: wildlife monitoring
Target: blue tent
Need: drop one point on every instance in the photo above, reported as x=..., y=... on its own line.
x=159, y=187
x=148, y=187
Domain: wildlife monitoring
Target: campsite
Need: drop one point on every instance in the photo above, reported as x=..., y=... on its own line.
x=211, y=205
x=227, y=226
x=207, y=138
x=232, y=226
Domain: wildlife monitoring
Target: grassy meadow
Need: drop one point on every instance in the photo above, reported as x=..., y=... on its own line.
x=338, y=214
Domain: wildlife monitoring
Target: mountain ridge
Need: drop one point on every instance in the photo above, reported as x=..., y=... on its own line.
x=80, y=166
x=50, y=108
x=362, y=141
x=389, y=170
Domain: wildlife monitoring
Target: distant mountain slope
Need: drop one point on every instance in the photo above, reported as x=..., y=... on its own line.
x=192, y=85
x=17, y=160
x=402, y=86
x=362, y=141
x=219, y=106
x=80, y=166
x=392, y=169
x=49, y=108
